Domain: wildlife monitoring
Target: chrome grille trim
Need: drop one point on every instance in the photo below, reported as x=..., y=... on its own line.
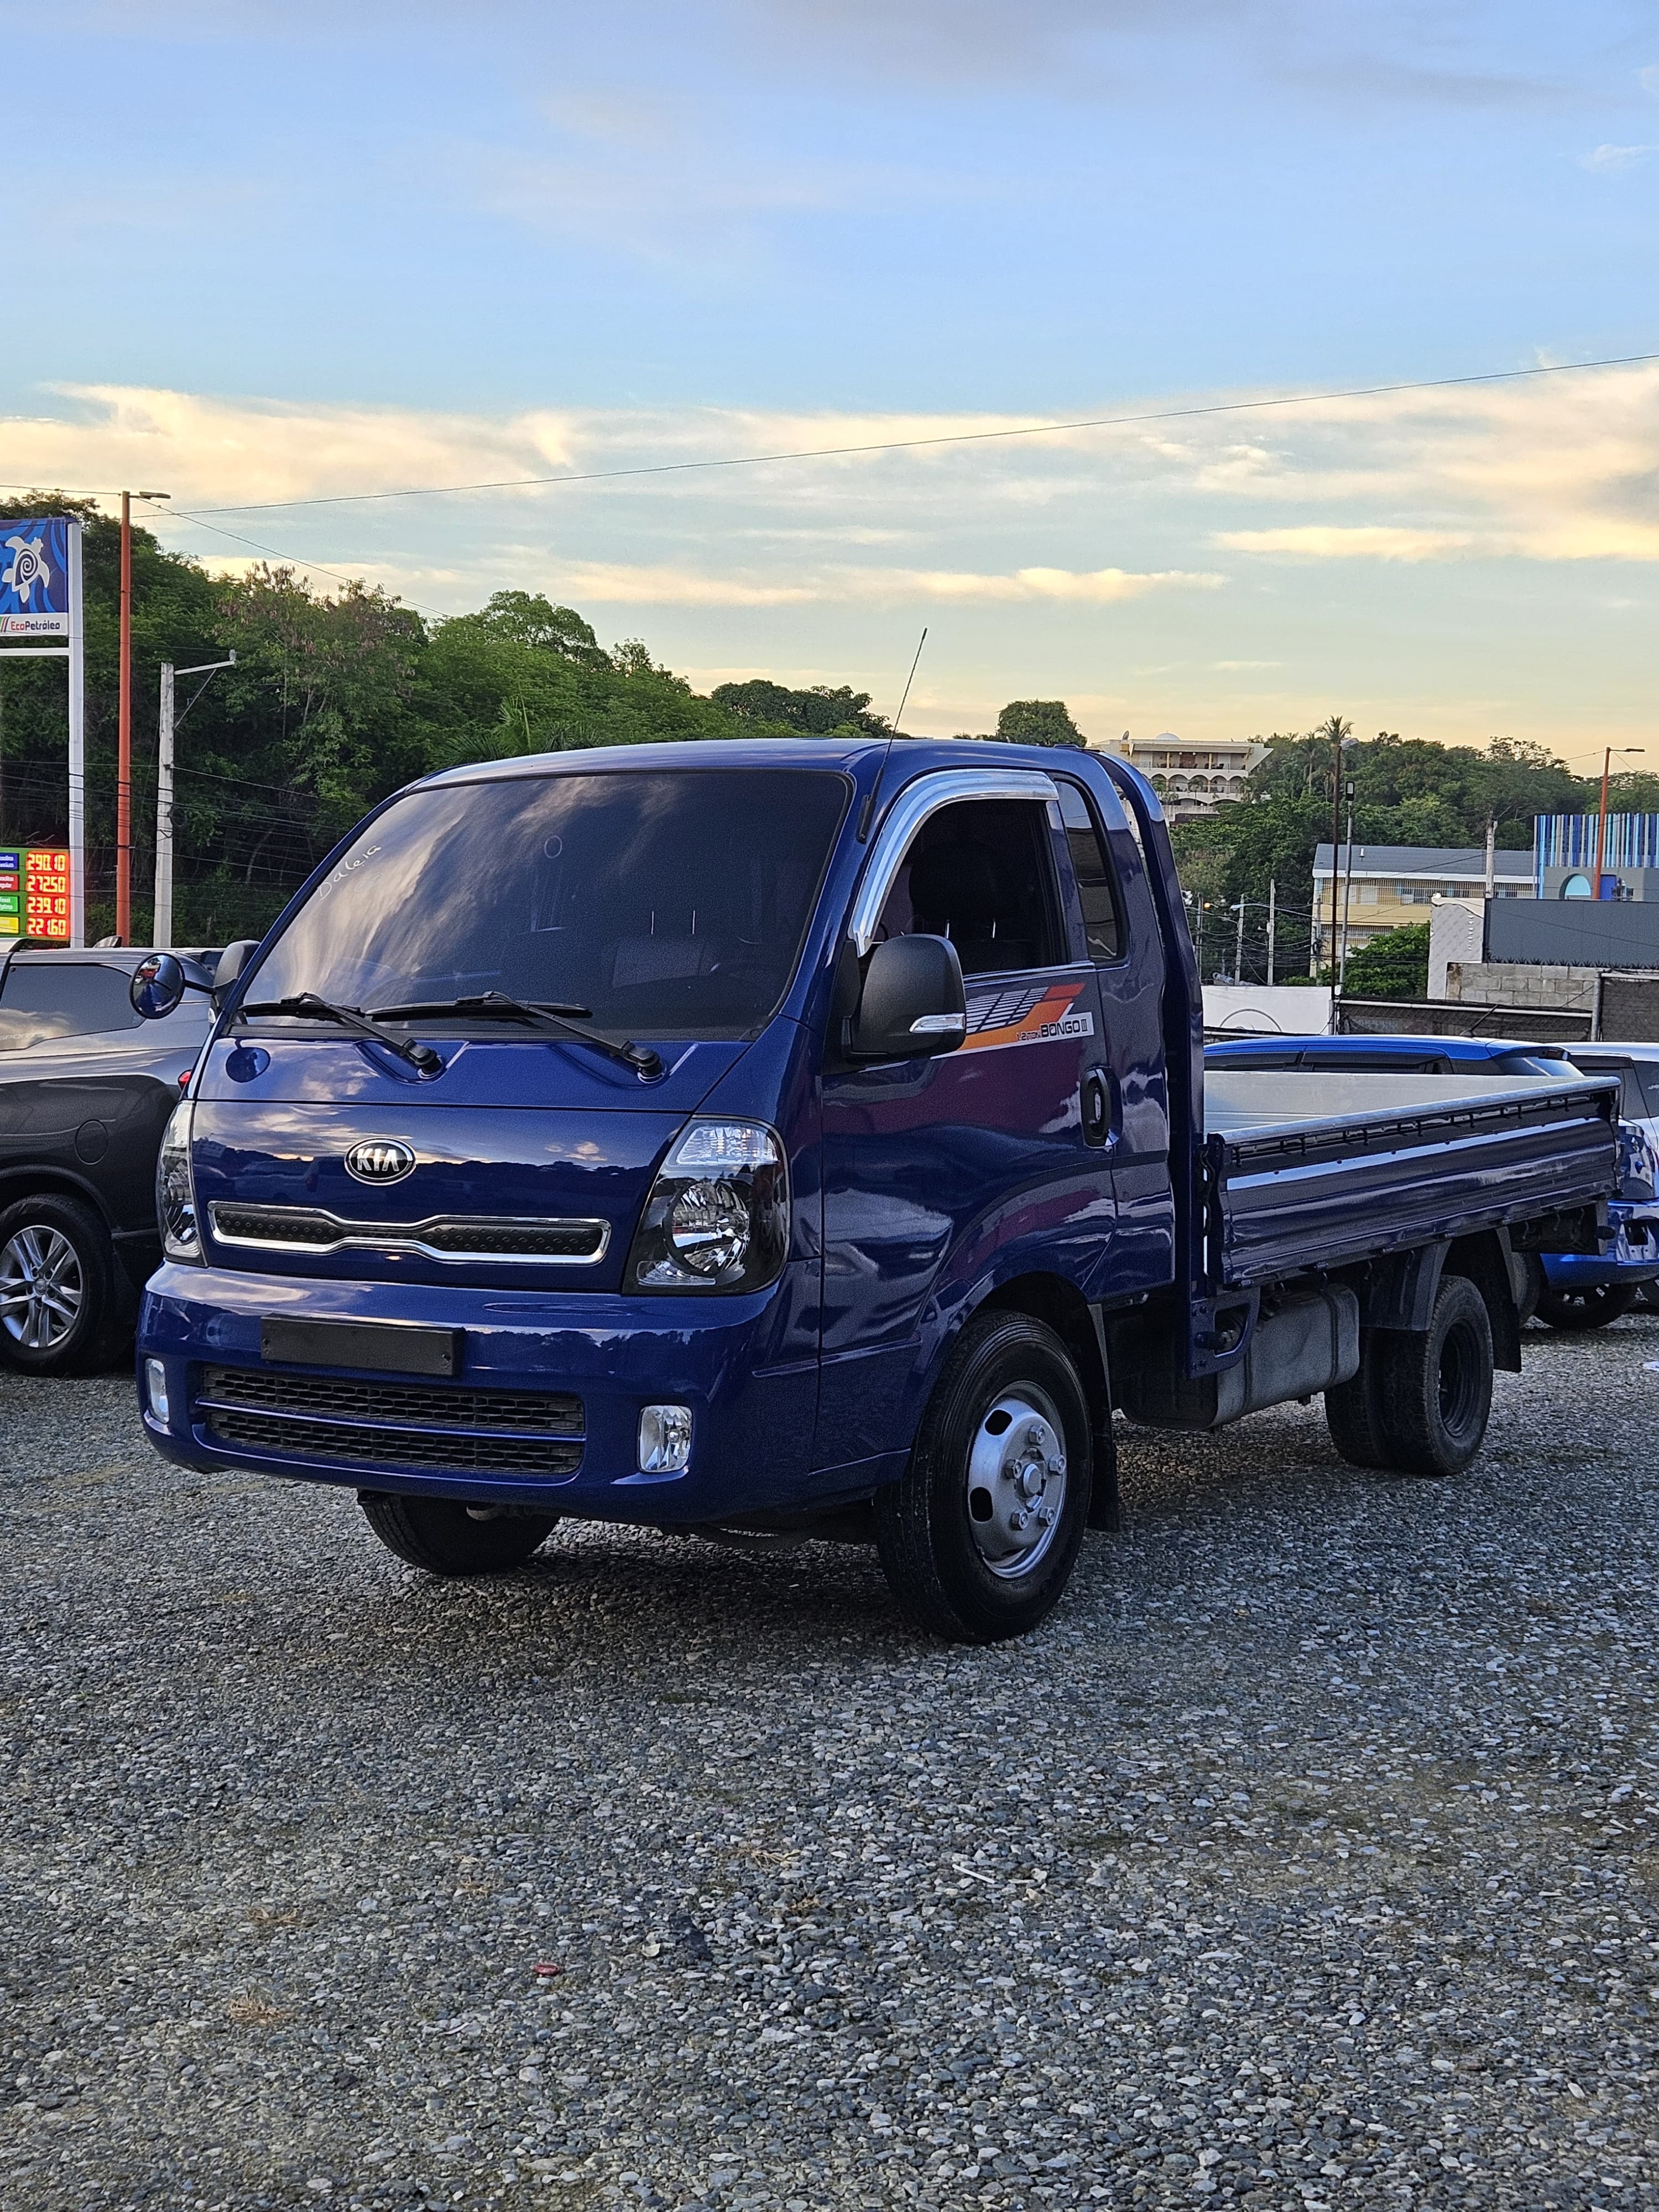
x=507, y=1239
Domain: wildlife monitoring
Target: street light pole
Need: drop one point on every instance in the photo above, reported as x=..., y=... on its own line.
x=1601, y=819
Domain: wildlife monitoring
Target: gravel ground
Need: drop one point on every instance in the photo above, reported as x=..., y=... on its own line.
x=1307, y=1856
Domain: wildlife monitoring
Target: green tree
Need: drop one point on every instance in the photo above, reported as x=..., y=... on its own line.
x=1038, y=722
x=822, y=711
x=1393, y=965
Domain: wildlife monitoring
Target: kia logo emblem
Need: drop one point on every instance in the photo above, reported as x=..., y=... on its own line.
x=379, y=1159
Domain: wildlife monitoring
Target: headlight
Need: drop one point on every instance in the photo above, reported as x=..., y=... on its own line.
x=718, y=1215
x=175, y=1191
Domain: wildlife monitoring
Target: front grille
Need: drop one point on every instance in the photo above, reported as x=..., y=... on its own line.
x=457, y=1455
x=577, y=1242
x=556, y=1413
x=394, y=1425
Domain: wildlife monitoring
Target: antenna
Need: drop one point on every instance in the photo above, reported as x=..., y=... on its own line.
x=910, y=679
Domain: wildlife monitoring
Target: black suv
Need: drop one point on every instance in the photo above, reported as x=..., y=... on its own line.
x=86, y=1089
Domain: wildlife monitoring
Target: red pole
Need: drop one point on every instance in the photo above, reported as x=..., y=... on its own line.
x=1602, y=823
x=123, y=740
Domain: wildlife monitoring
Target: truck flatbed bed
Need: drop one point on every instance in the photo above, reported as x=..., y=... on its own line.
x=1308, y=1168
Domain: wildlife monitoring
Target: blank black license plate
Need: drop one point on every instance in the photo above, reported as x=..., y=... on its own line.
x=392, y=1350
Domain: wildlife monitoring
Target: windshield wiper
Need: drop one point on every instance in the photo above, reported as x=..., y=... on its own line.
x=313, y=1008
x=546, y=1014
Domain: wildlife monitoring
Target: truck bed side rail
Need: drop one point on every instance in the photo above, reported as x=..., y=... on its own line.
x=1324, y=1194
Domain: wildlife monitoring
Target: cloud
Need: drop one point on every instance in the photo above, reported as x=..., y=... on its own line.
x=1338, y=542
x=1649, y=78
x=1616, y=157
x=674, y=587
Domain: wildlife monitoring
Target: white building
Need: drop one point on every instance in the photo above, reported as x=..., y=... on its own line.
x=1191, y=778
x=1394, y=885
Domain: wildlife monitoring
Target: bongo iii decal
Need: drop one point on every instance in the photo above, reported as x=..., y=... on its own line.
x=1034, y=1015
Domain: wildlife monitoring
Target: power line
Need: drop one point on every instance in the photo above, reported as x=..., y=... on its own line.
x=941, y=438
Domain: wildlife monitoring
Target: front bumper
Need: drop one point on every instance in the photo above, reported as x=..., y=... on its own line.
x=753, y=1408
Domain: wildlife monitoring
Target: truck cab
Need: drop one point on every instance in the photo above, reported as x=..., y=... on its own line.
x=760, y=1138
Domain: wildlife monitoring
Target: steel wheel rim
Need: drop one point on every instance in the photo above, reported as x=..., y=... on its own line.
x=42, y=1287
x=1015, y=1491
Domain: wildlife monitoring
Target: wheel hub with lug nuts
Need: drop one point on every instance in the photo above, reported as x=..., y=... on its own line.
x=1017, y=1481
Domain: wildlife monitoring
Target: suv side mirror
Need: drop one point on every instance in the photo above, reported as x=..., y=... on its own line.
x=158, y=987
x=913, y=1002
x=231, y=961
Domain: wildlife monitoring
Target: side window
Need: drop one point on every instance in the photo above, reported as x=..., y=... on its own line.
x=43, y=999
x=1096, y=884
x=980, y=873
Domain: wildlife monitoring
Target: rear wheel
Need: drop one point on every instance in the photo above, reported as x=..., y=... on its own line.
x=1434, y=1388
x=1592, y=1307
x=445, y=1537
x=979, y=1536
x=1352, y=1412
x=1648, y=1296
x=56, y=1288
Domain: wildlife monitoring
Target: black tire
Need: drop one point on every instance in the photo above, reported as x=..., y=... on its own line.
x=1434, y=1390
x=440, y=1535
x=1648, y=1297
x=1593, y=1307
x=940, y=1571
x=77, y=1262
x=1354, y=1413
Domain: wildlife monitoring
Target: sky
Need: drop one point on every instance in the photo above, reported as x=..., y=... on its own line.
x=268, y=253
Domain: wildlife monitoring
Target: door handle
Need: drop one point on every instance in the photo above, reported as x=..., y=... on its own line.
x=1096, y=1107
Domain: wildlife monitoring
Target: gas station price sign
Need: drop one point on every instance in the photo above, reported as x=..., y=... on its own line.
x=34, y=892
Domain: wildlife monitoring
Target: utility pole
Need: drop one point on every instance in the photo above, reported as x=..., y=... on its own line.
x=1238, y=947
x=1491, y=855
x=1272, y=916
x=124, y=729
x=123, y=739
x=1601, y=820
x=1348, y=894
x=161, y=934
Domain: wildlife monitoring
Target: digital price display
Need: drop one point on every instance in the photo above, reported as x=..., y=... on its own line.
x=35, y=893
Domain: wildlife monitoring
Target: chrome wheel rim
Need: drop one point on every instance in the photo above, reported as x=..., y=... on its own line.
x=1016, y=1488
x=42, y=1287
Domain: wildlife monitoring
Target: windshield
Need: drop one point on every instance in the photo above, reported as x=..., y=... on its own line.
x=667, y=902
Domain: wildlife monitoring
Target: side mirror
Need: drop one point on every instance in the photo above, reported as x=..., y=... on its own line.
x=158, y=983
x=231, y=961
x=913, y=1002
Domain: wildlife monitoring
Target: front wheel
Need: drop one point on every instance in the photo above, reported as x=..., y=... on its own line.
x=445, y=1537
x=1593, y=1307
x=58, y=1307
x=979, y=1536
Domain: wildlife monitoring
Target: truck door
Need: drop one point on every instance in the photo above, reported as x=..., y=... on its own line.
x=988, y=1159
x=1120, y=935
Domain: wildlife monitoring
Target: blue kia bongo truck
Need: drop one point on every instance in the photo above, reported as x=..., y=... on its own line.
x=801, y=1139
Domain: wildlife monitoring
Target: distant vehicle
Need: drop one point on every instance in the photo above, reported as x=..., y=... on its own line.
x=1638, y=1067
x=798, y=1138
x=1576, y=1290
x=86, y=1088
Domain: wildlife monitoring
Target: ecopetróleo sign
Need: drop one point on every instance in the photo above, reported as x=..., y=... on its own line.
x=34, y=579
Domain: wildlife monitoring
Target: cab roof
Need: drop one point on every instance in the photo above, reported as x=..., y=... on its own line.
x=910, y=756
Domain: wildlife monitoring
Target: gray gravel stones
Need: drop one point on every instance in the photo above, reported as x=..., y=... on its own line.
x=1306, y=1858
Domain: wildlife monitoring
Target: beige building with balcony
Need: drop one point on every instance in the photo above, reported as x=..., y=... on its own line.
x=1191, y=778
x=1395, y=885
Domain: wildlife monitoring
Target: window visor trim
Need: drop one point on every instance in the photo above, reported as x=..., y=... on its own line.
x=912, y=806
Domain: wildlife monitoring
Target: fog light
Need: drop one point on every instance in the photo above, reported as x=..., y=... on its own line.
x=156, y=1389
x=665, y=1439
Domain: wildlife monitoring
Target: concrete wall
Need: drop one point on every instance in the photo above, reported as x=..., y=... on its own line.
x=1286, y=1010
x=1492, y=983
